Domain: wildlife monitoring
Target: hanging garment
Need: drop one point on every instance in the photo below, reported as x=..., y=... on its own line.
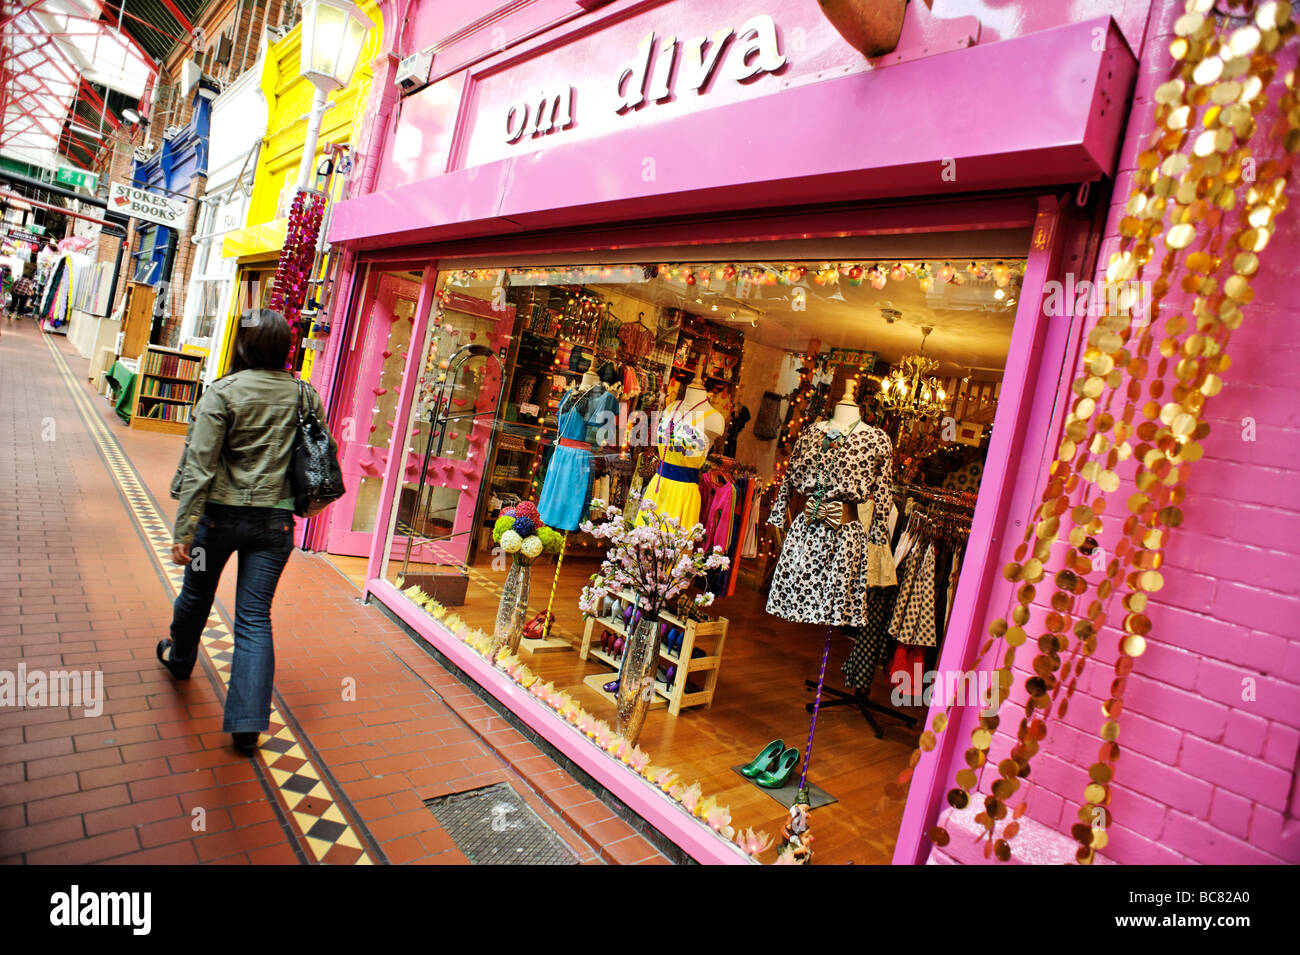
x=749, y=549
x=913, y=621
x=718, y=513
x=942, y=563
x=600, y=488
x=907, y=674
x=767, y=426
x=872, y=639
x=829, y=559
x=565, y=496
x=954, y=574
x=737, y=425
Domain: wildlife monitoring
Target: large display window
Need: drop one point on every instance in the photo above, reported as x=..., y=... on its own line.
x=819, y=421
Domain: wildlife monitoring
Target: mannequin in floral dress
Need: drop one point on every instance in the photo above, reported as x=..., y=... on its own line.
x=687, y=430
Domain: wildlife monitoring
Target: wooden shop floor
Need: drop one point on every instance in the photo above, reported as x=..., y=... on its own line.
x=760, y=696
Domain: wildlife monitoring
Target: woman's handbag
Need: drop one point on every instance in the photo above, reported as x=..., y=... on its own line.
x=314, y=468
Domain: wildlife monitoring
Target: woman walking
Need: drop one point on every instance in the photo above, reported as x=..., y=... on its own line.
x=236, y=497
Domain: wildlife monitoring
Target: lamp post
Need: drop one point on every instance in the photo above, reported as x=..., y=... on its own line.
x=333, y=32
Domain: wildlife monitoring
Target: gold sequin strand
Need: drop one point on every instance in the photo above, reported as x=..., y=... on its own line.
x=1196, y=352
x=1086, y=463
x=1234, y=76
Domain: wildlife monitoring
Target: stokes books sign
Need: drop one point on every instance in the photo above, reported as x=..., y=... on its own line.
x=148, y=206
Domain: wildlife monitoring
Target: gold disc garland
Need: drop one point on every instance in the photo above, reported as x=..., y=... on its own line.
x=1197, y=173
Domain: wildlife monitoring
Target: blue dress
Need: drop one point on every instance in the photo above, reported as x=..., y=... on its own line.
x=566, y=490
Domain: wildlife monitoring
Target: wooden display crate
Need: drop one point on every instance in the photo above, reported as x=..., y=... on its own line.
x=709, y=635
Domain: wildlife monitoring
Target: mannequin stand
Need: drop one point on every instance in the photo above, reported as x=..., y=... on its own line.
x=863, y=702
x=546, y=641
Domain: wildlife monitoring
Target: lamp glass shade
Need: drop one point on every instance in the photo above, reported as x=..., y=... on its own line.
x=333, y=33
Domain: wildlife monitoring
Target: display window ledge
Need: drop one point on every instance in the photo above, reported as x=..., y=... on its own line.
x=641, y=797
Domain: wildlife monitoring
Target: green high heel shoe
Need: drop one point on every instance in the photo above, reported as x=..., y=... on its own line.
x=764, y=760
x=780, y=775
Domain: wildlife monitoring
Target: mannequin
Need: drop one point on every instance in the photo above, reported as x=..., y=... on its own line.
x=846, y=413
x=833, y=554
x=566, y=490
x=694, y=409
x=687, y=430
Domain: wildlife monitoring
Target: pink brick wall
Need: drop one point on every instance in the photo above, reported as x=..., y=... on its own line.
x=1211, y=723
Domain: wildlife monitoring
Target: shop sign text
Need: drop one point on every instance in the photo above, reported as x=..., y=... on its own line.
x=654, y=75
x=149, y=206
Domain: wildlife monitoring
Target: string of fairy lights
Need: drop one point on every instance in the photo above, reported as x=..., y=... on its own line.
x=877, y=274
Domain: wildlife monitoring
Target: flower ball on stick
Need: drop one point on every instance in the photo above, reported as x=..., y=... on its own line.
x=521, y=534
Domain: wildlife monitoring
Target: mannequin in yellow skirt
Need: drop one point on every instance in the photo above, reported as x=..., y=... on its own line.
x=687, y=430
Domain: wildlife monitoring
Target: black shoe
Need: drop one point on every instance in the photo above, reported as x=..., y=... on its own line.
x=246, y=743
x=163, y=647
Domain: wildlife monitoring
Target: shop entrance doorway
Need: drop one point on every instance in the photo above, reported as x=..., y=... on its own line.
x=372, y=383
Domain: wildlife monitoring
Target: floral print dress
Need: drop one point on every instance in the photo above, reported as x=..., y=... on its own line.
x=827, y=564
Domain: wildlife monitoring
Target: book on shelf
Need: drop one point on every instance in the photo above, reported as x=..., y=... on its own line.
x=166, y=412
x=169, y=365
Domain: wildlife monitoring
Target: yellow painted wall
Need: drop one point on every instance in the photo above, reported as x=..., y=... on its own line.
x=288, y=101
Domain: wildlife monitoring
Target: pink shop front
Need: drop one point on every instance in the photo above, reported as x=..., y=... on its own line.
x=595, y=230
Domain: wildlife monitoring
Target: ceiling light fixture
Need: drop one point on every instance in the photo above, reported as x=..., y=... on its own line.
x=909, y=391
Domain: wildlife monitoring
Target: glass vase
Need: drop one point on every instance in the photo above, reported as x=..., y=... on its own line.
x=512, y=611
x=636, y=681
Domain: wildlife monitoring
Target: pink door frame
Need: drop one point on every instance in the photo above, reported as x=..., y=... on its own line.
x=362, y=365
x=1021, y=428
x=395, y=468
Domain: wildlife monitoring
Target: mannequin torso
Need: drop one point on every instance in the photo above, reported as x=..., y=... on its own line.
x=846, y=413
x=693, y=409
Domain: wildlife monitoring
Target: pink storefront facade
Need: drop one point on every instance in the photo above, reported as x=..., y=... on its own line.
x=987, y=116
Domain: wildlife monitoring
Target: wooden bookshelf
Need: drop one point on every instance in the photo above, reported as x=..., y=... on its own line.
x=166, y=389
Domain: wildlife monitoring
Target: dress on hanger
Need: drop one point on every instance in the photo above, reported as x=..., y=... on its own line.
x=718, y=513
x=566, y=497
x=829, y=559
x=913, y=622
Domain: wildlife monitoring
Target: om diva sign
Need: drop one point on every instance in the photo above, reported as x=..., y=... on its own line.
x=736, y=55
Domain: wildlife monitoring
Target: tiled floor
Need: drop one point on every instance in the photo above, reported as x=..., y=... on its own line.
x=152, y=778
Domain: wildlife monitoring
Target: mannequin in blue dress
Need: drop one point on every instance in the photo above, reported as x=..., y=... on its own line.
x=566, y=489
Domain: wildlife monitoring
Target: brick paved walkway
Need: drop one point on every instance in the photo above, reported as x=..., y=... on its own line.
x=80, y=588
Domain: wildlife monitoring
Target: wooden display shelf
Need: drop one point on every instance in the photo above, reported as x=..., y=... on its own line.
x=597, y=681
x=141, y=420
x=713, y=633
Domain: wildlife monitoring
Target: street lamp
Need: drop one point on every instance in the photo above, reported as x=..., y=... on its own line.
x=333, y=32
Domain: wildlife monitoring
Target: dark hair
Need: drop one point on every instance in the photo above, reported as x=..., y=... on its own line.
x=261, y=341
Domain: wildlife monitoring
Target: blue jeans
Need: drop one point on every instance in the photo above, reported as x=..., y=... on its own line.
x=263, y=538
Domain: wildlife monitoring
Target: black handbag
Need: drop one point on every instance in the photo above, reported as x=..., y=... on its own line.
x=314, y=470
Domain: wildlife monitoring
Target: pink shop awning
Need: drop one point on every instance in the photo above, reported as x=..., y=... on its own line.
x=1038, y=110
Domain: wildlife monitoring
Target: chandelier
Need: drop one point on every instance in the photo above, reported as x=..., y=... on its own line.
x=908, y=392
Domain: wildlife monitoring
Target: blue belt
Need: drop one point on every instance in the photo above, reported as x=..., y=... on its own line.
x=675, y=472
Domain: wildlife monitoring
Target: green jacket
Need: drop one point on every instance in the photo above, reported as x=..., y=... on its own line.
x=238, y=446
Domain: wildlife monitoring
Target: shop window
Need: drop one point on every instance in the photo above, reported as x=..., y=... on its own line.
x=155, y=250
x=852, y=400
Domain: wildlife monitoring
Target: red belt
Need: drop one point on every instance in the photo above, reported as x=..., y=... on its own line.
x=570, y=443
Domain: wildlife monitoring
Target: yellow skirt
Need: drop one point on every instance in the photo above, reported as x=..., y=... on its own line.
x=677, y=499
